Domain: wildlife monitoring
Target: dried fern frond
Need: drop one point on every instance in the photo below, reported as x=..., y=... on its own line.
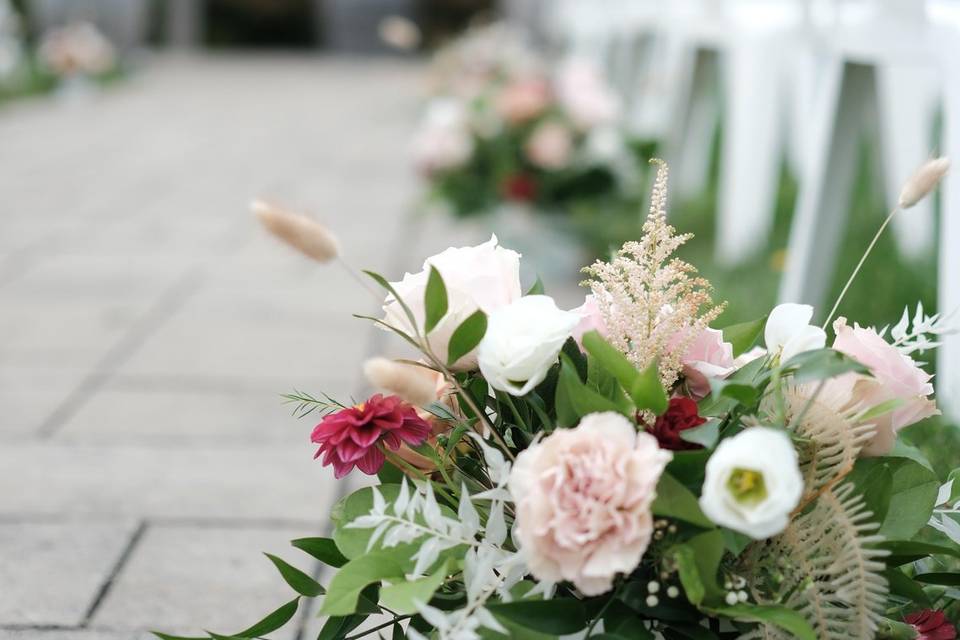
x=828, y=422
x=654, y=305
x=823, y=567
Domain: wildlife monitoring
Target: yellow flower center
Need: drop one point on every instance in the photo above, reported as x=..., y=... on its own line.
x=747, y=485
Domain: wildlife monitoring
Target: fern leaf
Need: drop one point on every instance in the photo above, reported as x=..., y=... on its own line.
x=824, y=567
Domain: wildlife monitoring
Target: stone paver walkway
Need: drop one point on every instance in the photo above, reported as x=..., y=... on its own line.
x=147, y=328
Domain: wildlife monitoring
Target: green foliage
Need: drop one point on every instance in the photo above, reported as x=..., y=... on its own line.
x=343, y=593
x=574, y=398
x=323, y=549
x=403, y=597
x=909, y=491
x=676, y=501
x=698, y=560
x=434, y=300
x=297, y=579
x=821, y=364
x=643, y=387
x=467, y=336
x=559, y=616
x=744, y=335
x=782, y=617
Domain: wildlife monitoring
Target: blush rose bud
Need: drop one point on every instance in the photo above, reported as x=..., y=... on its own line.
x=923, y=181
x=300, y=232
x=414, y=385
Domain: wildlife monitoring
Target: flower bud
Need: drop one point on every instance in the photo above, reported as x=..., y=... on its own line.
x=923, y=181
x=300, y=232
x=411, y=383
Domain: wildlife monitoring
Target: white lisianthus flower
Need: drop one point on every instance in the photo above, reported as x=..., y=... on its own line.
x=789, y=332
x=522, y=342
x=485, y=277
x=753, y=482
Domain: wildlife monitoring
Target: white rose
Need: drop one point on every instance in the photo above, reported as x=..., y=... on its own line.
x=485, y=277
x=443, y=141
x=753, y=483
x=522, y=342
x=789, y=332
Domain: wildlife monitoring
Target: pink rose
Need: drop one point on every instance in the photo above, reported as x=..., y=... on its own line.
x=895, y=377
x=707, y=356
x=550, y=146
x=583, y=500
x=591, y=319
x=523, y=100
x=587, y=99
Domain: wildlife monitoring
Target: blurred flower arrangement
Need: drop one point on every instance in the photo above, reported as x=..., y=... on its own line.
x=505, y=129
x=72, y=58
x=624, y=470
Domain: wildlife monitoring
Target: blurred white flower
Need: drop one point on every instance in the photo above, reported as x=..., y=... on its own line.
x=77, y=48
x=789, y=332
x=522, y=342
x=753, y=483
x=443, y=140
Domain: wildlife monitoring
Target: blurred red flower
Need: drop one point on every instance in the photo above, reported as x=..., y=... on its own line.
x=680, y=415
x=354, y=436
x=520, y=187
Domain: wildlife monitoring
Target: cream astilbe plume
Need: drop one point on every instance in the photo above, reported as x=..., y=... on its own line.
x=824, y=567
x=654, y=305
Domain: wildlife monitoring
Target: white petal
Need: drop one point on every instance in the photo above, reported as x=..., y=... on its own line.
x=807, y=339
x=784, y=321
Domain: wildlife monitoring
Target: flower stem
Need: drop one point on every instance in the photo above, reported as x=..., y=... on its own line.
x=388, y=623
x=856, y=269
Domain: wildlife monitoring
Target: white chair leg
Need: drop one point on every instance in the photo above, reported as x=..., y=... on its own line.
x=907, y=103
x=692, y=140
x=948, y=359
x=822, y=205
x=752, y=149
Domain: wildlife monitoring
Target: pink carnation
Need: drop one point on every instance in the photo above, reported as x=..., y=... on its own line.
x=895, y=377
x=583, y=499
x=353, y=437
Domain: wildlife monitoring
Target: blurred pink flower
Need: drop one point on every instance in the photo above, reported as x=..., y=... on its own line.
x=550, y=146
x=443, y=141
x=591, y=319
x=895, y=377
x=585, y=96
x=352, y=437
x=583, y=499
x=523, y=99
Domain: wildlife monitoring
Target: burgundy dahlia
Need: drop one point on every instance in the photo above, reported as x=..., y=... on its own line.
x=681, y=415
x=353, y=437
x=931, y=625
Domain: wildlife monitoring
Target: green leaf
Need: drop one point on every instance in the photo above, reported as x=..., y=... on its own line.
x=820, y=364
x=743, y=393
x=403, y=597
x=648, y=392
x=610, y=358
x=337, y=627
x=434, y=300
x=735, y=542
x=379, y=279
x=559, y=616
x=905, y=587
x=352, y=543
x=297, y=579
x=345, y=587
x=691, y=631
x=697, y=562
x=167, y=636
x=912, y=494
x=905, y=551
x=779, y=616
x=706, y=435
x=467, y=336
x=744, y=335
x=944, y=578
x=686, y=562
x=323, y=549
x=537, y=288
x=676, y=501
x=580, y=398
x=272, y=621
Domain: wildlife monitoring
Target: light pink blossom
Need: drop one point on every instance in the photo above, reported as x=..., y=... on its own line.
x=591, y=319
x=587, y=99
x=550, y=146
x=523, y=99
x=583, y=499
x=895, y=377
x=707, y=356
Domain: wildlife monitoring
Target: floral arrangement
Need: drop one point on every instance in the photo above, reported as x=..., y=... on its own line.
x=76, y=51
x=624, y=470
x=503, y=127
